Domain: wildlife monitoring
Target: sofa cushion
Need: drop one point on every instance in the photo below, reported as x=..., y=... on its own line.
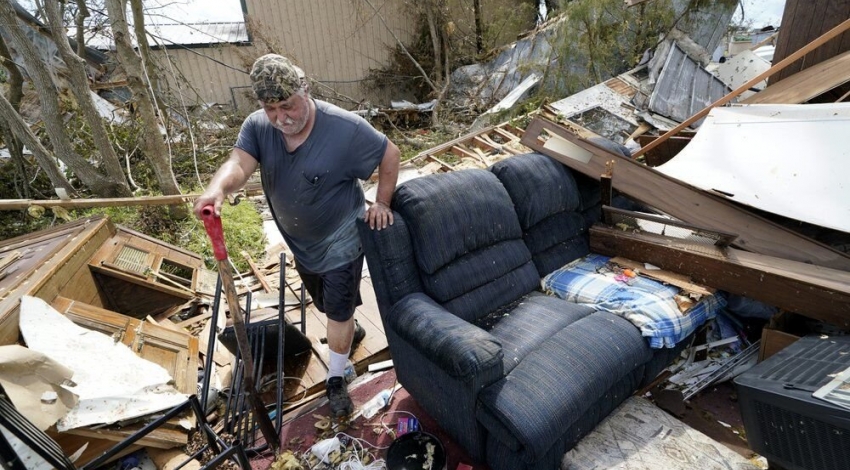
x=459, y=348
x=495, y=294
x=557, y=382
x=548, y=203
x=452, y=214
x=467, y=241
x=557, y=240
x=538, y=185
x=537, y=318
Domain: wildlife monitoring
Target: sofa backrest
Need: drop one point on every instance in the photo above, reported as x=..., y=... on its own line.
x=466, y=240
x=549, y=207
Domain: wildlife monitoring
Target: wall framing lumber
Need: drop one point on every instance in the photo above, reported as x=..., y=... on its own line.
x=809, y=83
x=683, y=201
x=813, y=291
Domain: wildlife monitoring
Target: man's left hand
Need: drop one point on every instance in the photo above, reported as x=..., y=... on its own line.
x=379, y=215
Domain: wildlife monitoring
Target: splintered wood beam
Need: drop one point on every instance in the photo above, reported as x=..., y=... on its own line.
x=260, y=276
x=441, y=162
x=462, y=152
x=813, y=291
x=680, y=199
x=480, y=141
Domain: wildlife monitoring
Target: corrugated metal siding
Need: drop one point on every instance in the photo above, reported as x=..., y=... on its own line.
x=335, y=41
x=202, y=75
x=199, y=33
x=684, y=87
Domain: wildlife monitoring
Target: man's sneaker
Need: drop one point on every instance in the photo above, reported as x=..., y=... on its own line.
x=359, y=334
x=337, y=393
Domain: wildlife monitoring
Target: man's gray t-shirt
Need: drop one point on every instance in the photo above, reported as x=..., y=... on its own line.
x=315, y=193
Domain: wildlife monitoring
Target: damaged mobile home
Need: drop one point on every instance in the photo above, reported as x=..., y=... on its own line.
x=571, y=289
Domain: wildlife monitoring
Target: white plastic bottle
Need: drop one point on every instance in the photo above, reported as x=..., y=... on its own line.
x=378, y=402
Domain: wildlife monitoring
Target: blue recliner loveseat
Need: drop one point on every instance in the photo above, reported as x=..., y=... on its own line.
x=517, y=377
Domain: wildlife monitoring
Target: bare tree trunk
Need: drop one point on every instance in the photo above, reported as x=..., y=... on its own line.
x=433, y=28
x=50, y=110
x=42, y=155
x=80, y=20
x=154, y=147
x=80, y=87
x=16, y=92
x=479, y=33
x=145, y=49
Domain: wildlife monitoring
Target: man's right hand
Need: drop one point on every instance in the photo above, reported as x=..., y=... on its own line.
x=232, y=175
x=209, y=198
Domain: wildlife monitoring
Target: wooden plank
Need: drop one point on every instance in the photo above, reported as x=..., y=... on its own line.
x=260, y=276
x=172, y=459
x=161, y=438
x=196, y=319
x=668, y=277
x=773, y=341
x=74, y=275
x=809, y=83
x=441, y=162
x=816, y=292
x=507, y=135
x=22, y=204
x=44, y=254
x=463, y=152
x=681, y=200
x=370, y=304
x=95, y=447
x=483, y=144
x=442, y=148
x=158, y=245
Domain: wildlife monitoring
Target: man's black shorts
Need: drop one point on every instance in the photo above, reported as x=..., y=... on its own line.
x=337, y=292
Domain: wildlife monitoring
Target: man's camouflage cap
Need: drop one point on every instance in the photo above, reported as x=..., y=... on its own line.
x=274, y=78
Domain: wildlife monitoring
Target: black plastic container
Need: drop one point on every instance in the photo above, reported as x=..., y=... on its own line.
x=410, y=451
x=784, y=422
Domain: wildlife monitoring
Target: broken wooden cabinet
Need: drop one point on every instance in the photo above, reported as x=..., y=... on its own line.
x=139, y=275
x=176, y=352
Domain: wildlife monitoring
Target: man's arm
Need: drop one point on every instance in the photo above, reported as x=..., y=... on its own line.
x=380, y=214
x=229, y=178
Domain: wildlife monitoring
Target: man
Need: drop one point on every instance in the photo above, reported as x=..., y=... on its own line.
x=311, y=156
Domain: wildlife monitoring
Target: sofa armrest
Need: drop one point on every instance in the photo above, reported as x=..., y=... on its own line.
x=459, y=348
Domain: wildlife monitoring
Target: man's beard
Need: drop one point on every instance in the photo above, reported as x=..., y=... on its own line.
x=291, y=126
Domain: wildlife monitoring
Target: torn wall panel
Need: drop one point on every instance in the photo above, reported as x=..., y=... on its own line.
x=790, y=160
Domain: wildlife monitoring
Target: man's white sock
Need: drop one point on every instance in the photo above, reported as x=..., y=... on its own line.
x=336, y=368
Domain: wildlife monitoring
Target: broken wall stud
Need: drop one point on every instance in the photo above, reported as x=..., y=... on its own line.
x=606, y=182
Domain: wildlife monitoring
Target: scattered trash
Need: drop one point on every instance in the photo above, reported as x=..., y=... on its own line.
x=378, y=402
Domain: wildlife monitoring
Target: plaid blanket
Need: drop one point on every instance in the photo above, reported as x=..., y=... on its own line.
x=647, y=303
